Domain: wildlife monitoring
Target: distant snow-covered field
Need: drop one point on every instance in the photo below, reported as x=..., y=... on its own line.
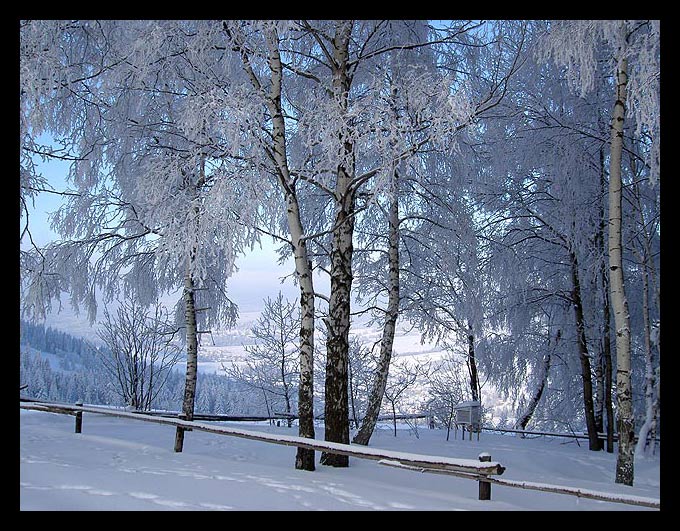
x=121, y=464
x=227, y=346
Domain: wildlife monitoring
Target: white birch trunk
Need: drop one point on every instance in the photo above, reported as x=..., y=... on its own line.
x=646, y=443
x=387, y=342
x=192, y=348
x=305, y=457
x=303, y=268
x=190, y=322
x=624, y=392
x=336, y=411
x=524, y=420
x=192, y=358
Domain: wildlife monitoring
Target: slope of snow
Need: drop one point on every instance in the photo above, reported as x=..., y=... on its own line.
x=121, y=464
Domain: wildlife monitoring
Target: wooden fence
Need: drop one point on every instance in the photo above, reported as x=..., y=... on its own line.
x=481, y=470
x=572, y=435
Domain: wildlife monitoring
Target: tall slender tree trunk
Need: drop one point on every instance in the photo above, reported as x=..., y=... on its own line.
x=525, y=418
x=625, y=461
x=600, y=362
x=389, y=328
x=472, y=364
x=336, y=412
x=352, y=392
x=190, y=315
x=594, y=442
x=192, y=358
x=606, y=316
x=599, y=397
x=644, y=444
x=304, y=459
x=134, y=399
x=608, y=369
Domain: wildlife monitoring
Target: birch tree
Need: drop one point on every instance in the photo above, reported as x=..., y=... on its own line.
x=389, y=326
x=154, y=206
x=269, y=96
x=636, y=42
x=331, y=66
x=412, y=119
x=624, y=392
x=644, y=243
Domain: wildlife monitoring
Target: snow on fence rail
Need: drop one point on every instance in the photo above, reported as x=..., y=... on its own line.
x=481, y=471
x=581, y=493
x=572, y=435
x=468, y=468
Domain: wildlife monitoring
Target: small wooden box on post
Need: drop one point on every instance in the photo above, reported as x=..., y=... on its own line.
x=467, y=415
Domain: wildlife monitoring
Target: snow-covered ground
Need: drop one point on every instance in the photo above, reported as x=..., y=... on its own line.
x=121, y=464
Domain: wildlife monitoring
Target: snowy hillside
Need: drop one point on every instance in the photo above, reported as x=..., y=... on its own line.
x=64, y=351
x=120, y=464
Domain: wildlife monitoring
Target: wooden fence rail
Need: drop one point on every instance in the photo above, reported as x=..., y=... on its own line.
x=480, y=470
x=572, y=435
x=469, y=468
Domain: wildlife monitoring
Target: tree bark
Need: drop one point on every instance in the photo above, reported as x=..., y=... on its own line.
x=472, y=365
x=304, y=459
x=190, y=319
x=524, y=420
x=352, y=392
x=599, y=390
x=303, y=267
x=606, y=318
x=645, y=444
x=624, y=392
x=594, y=442
x=387, y=341
x=336, y=412
x=192, y=358
x=608, y=370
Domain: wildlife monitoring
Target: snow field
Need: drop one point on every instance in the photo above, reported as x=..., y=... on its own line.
x=120, y=464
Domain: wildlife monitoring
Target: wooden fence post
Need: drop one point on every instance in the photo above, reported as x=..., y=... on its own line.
x=484, y=486
x=179, y=434
x=79, y=418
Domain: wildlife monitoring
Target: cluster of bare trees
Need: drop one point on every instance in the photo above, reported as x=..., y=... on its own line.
x=272, y=363
x=446, y=174
x=141, y=351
